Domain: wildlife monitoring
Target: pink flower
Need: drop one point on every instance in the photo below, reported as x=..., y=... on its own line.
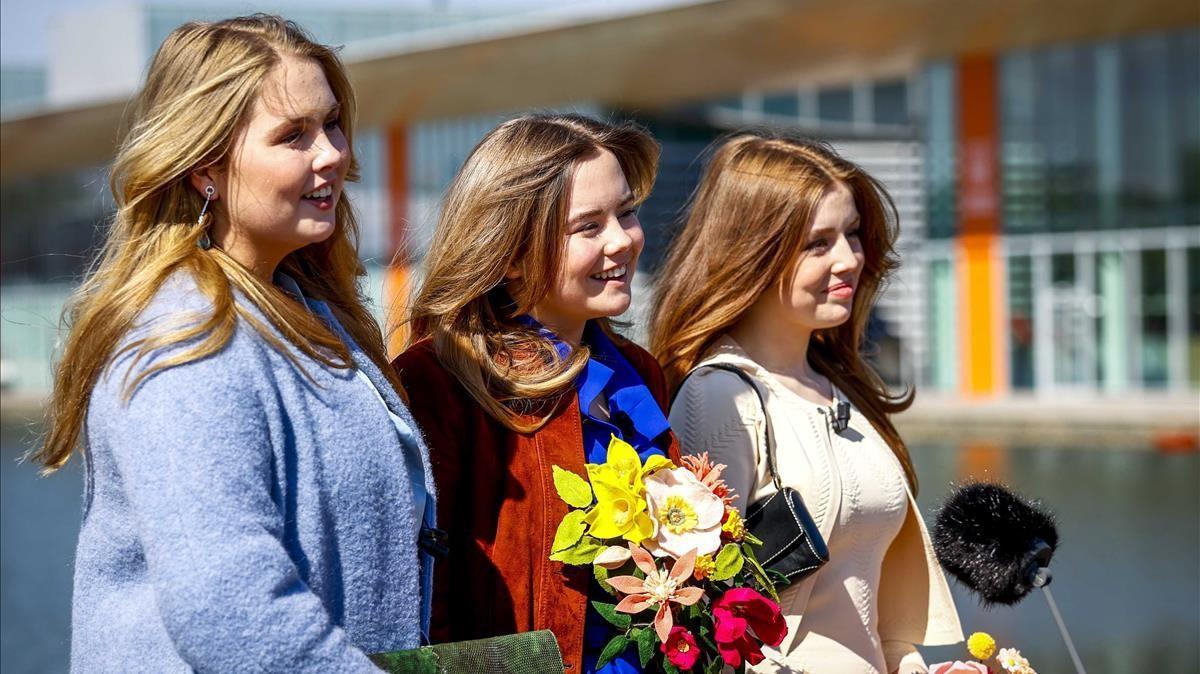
x=681, y=648
x=660, y=588
x=735, y=614
x=686, y=514
x=959, y=667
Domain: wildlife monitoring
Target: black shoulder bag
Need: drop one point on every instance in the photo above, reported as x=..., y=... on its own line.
x=791, y=542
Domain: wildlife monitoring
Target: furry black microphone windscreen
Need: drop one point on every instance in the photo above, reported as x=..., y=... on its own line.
x=985, y=536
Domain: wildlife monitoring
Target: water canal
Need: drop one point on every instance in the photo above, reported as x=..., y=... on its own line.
x=1127, y=575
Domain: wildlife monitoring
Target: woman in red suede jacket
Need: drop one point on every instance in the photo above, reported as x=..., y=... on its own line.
x=513, y=368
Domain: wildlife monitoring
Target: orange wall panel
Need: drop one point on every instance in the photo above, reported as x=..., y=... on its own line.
x=980, y=266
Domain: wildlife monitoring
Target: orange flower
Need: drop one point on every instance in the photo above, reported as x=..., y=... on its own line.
x=709, y=475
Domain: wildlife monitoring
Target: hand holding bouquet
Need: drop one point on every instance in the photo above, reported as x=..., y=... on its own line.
x=666, y=543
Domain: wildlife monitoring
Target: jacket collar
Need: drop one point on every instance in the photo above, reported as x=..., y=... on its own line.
x=635, y=415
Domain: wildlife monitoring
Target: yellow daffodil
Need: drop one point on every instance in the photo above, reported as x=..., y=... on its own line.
x=619, y=485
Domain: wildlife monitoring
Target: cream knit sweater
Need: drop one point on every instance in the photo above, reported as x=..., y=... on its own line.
x=882, y=590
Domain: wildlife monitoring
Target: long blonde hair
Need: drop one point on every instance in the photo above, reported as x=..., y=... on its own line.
x=199, y=90
x=742, y=234
x=507, y=210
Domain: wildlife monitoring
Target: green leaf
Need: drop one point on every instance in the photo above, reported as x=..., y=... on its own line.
x=752, y=539
x=612, y=649
x=570, y=530
x=706, y=640
x=609, y=612
x=571, y=488
x=668, y=668
x=715, y=666
x=579, y=554
x=601, y=574
x=778, y=579
x=728, y=562
x=647, y=643
x=760, y=573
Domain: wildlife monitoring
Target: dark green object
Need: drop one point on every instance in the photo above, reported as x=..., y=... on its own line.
x=620, y=621
x=615, y=647
x=647, y=642
x=525, y=653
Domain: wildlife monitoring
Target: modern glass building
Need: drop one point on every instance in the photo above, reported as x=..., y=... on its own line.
x=1050, y=211
x=1081, y=252
x=1049, y=197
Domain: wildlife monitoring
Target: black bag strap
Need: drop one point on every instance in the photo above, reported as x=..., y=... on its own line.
x=768, y=431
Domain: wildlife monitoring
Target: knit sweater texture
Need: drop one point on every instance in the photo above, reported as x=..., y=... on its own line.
x=242, y=517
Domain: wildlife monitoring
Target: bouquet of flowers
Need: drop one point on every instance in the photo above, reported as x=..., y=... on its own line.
x=665, y=542
x=983, y=646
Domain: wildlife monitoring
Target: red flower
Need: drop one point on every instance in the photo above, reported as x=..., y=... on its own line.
x=735, y=614
x=681, y=648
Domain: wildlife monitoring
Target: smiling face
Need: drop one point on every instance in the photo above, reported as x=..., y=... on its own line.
x=819, y=293
x=285, y=171
x=604, y=239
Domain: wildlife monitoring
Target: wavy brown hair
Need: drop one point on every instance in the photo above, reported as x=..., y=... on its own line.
x=200, y=88
x=743, y=231
x=506, y=210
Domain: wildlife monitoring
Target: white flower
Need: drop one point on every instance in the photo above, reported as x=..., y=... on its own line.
x=686, y=514
x=1010, y=659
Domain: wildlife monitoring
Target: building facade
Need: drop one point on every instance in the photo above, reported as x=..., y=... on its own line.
x=1049, y=199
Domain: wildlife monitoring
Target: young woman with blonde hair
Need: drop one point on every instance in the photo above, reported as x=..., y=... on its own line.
x=255, y=486
x=519, y=369
x=784, y=250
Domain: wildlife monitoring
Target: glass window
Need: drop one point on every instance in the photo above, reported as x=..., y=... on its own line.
x=1067, y=135
x=1193, y=322
x=1101, y=135
x=1062, y=270
x=1154, y=318
x=782, y=103
x=940, y=132
x=890, y=102
x=1022, y=158
x=1069, y=320
x=1183, y=73
x=53, y=224
x=1145, y=133
x=835, y=105
x=1020, y=328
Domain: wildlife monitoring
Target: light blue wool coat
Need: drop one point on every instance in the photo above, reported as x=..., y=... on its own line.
x=239, y=517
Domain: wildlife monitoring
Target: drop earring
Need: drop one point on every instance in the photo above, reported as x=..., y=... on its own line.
x=205, y=242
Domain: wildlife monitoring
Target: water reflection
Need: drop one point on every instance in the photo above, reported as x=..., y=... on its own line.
x=1127, y=575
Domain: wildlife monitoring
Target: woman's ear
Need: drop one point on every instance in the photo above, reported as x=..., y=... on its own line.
x=202, y=179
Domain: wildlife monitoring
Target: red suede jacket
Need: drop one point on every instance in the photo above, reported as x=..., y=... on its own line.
x=497, y=502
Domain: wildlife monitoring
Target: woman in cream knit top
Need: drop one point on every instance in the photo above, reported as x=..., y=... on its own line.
x=881, y=591
x=775, y=272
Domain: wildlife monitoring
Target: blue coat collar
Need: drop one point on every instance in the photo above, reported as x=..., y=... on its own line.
x=634, y=413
